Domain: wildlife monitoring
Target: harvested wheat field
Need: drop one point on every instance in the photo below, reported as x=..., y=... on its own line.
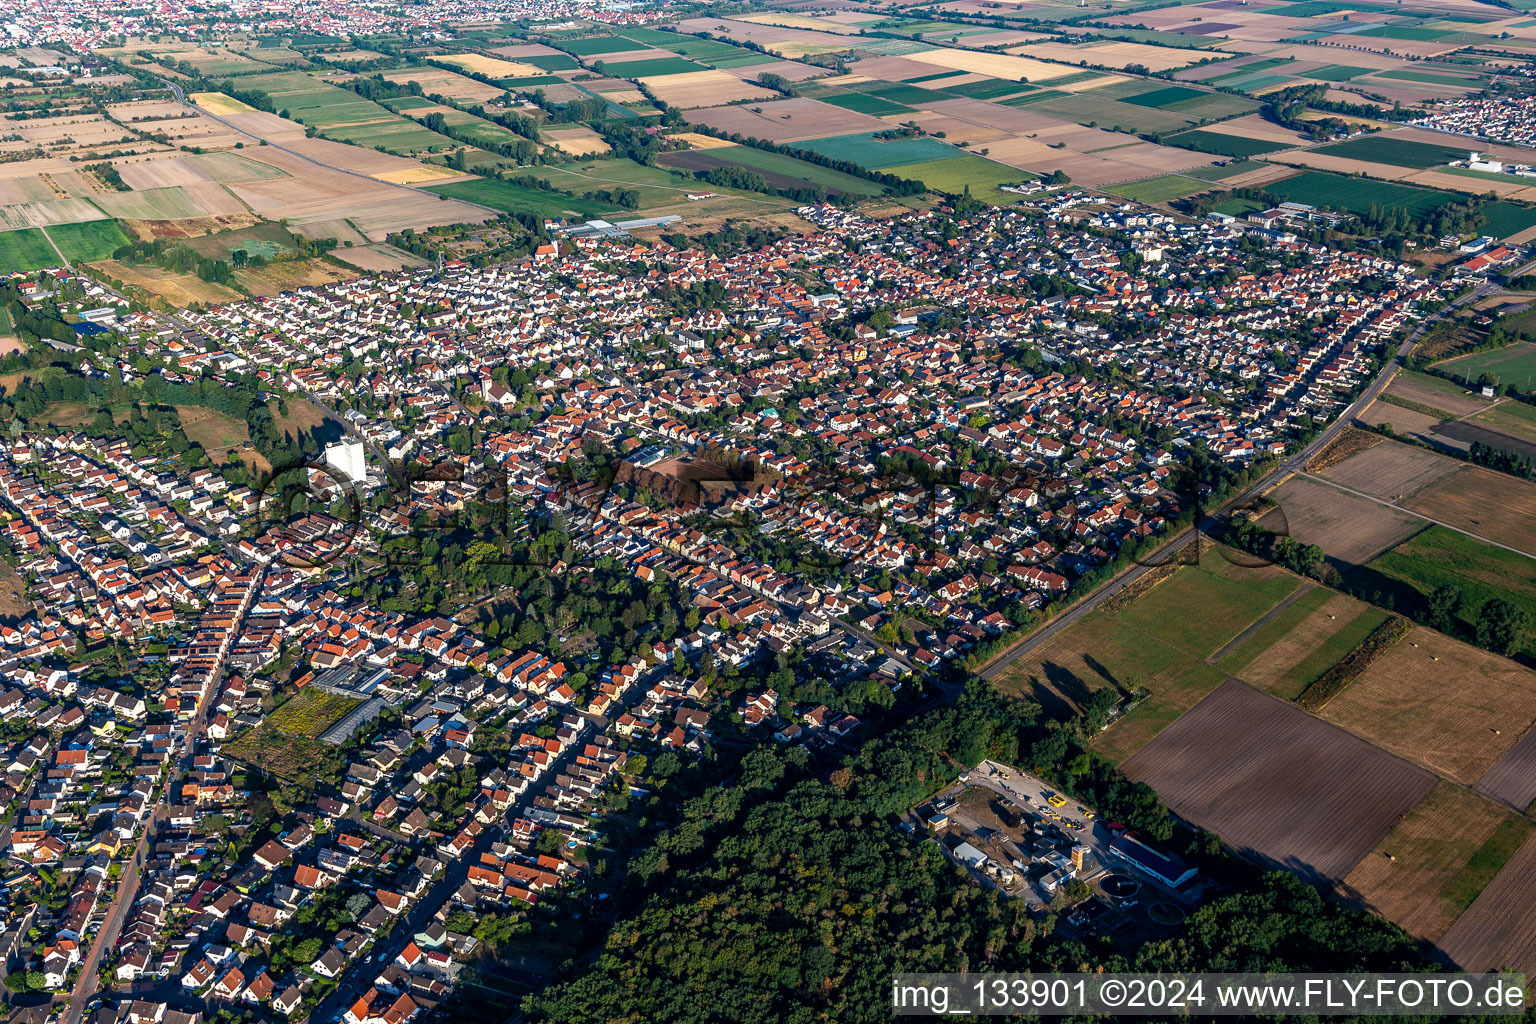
x=1390, y=470
x=994, y=65
x=703, y=89
x=697, y=141
x=379, y=258
x=442, y=82
x=417, y=175
x=218, y=103
x=582, y=141
x=1349, y=528
x=1434, y=863
x=491, y=67
x=1492, y=505
x=1499, y=930
x=1440, y=702
x=1408, y=422
x=1277, y=783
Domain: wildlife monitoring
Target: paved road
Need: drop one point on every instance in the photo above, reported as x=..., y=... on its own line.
x=359, y=976
x=1289, y=466
x=128, y=884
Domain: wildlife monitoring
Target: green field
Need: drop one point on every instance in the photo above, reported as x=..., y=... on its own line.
x=713, y=52
x=551, y=61
x=1163, y=97
x=510, y=198
x=531, y=82
x=1157, y=190
x=1253, y=67
x=1334, y=73
x=1327, y=650
x=867, y=151
x=476, y=131
x=1437, y=556
x=1357, y=195
x=1501, y=219
x=909, y=94
x=648, y=68
x=990, y=89
x=1429, y=78
x=1407, y=32
x=88, y=240
x=1383, y=149
x=343, y=115
x=1237, y=207
x=1222, y=145
x=956, y=174
x=1154, y=642
x=864, y=103
x=934, y=77
x=596, y=45
x=1512, y=364
x=1088, y=108
x=1230, y=170
x=815, y=174
x=27, y=249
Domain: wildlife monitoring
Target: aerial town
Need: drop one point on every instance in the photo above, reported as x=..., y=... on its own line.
x=535, y=509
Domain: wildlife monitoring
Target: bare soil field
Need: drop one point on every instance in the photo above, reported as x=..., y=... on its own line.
x=1347, y=444
x=1275, y=782
x=322, y=194
x=1404, y=704
x=1513, y=779
x=1499, y=930
x=1412, y=878
x=379, y=258
x=1408, y=422
x=215, y=431
x=194, y=227
x=1492, y=505
x=1350, y=529
x=1390, y=471
x=13, y=595
x=1456, y=405
x=703, y=89
x=788, y=120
